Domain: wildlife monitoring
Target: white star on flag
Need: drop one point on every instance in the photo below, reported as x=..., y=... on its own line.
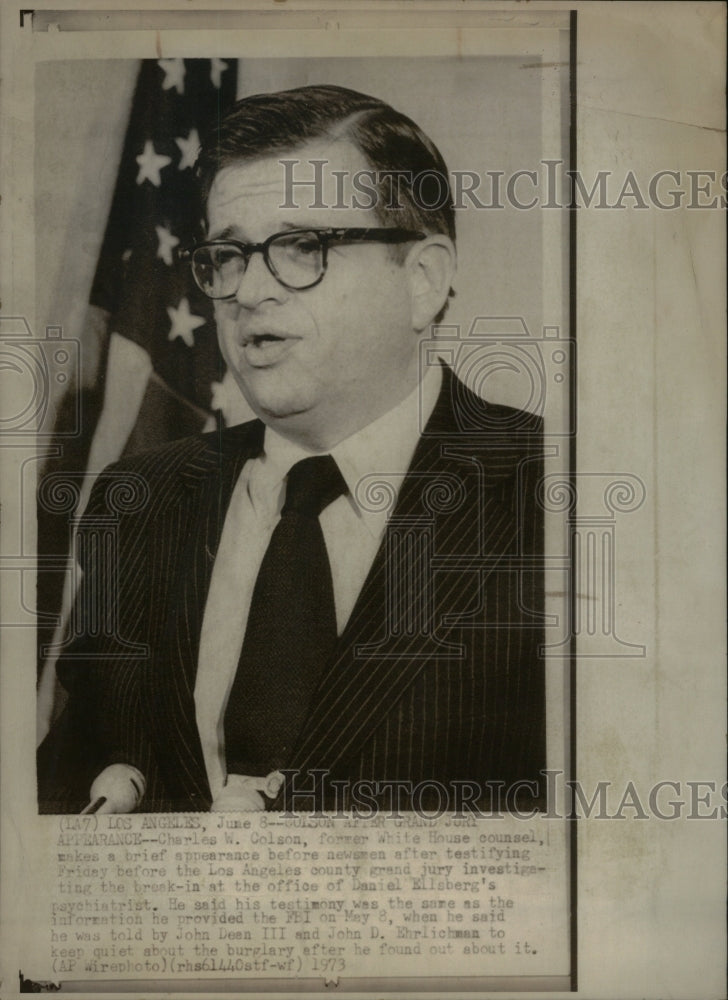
x=229, y=401
x=216, y=72
x=190, y=147
x=150, y=163
x=184, y=323
x=167, y=243
x=174, y=74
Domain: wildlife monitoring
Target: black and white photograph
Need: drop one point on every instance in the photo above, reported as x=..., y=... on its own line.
x=402, y=638
x=339, y=470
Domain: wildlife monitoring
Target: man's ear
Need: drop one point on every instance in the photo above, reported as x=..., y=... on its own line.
x=431, y=264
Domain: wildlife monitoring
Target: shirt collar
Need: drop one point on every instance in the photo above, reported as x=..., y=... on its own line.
x=379, y=453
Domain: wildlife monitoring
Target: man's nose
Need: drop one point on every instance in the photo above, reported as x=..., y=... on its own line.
x=257, y=284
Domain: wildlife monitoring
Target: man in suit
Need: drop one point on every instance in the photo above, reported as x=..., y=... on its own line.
x=340, y=601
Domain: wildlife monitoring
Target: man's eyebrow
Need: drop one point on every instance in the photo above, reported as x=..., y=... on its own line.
x=234, y=232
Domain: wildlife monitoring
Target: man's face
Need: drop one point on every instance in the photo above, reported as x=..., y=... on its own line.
x=316, y=364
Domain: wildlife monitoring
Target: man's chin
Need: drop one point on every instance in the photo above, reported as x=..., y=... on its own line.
x=275, y=408
x=268, y=400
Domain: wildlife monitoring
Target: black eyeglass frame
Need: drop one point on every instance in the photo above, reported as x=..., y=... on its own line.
x=326, y=237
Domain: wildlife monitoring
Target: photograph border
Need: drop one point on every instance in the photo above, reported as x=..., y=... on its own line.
x=643, y=738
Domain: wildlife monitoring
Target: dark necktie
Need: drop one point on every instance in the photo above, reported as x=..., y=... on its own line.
x=291, y=630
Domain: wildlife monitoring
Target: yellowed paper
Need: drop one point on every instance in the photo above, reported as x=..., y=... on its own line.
x=638, y=908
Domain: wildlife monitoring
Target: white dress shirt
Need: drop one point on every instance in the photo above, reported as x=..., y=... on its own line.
x=353, y=526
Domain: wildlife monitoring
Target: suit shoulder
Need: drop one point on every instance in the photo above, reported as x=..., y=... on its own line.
x=476, y=415
x=162, y=458
x=154, y=475
x=159, y=459
x=519, y=421
x=183, y=452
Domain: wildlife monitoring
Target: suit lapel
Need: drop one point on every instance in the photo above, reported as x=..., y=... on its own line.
x=190, y=531
x=451, y=507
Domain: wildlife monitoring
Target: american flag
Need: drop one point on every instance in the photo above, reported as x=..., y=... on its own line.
x=148, y=294
x=164, y=376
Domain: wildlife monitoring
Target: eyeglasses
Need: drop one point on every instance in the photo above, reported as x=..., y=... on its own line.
x=296, y=258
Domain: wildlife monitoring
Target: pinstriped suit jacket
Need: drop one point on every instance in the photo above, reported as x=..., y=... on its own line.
x=437, y=676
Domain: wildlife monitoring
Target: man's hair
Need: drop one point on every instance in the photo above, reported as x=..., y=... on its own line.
x=266, y=124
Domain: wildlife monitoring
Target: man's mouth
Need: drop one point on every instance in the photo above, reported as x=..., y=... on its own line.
x=266, y=348
x=256, y=339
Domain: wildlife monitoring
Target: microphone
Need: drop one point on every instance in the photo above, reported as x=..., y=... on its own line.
x=118, y=789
